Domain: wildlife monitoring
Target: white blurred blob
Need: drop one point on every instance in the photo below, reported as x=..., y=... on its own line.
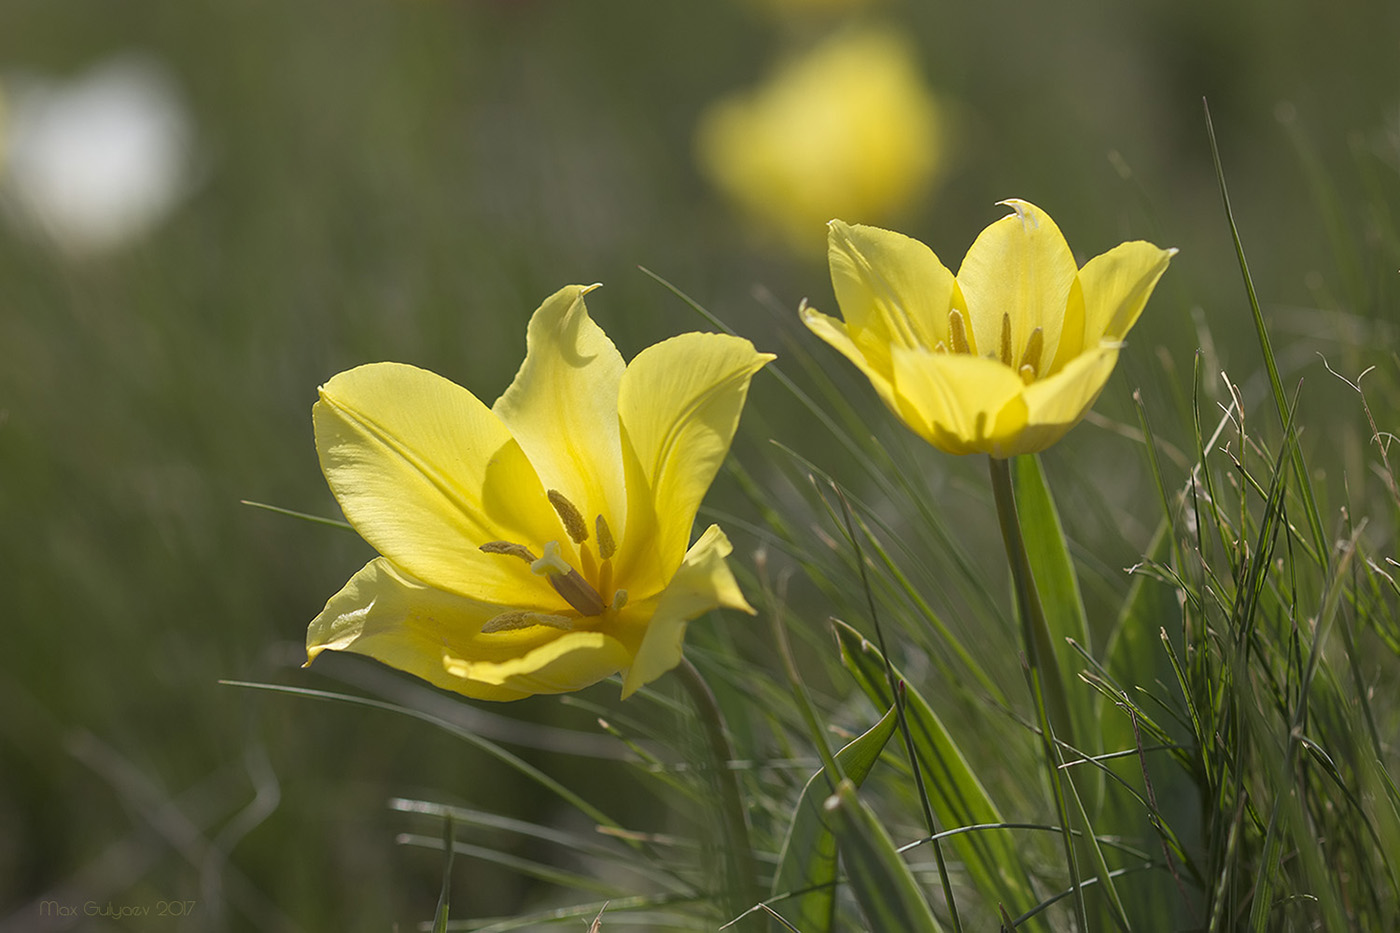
x=96, y=162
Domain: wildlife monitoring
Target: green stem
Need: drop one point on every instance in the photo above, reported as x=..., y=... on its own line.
x=739, y=866
x=1035, y=631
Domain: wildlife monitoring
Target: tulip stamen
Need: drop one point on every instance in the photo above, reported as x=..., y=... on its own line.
x=570, y=516
x=507, y=547
x=607, y=547
x=1006, y=339
x=957, y=332
x=1029, y=360
x=519, y=619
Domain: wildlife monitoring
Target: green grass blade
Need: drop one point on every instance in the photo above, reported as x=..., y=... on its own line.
x=444, y=903
x=879, y=877
x=491, y=748
x=304, y=516
x=808, y=860
x=1319, y=536
x=993, y=862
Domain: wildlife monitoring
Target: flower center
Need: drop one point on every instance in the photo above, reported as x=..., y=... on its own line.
x=1027, y=368
x=583, y=591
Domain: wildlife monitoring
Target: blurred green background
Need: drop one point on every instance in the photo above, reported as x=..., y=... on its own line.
x=407, y=180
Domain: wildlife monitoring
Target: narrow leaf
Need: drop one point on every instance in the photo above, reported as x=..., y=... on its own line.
x=1058, y=585
x=808, y=861
x=993, y=862
x=884, y=886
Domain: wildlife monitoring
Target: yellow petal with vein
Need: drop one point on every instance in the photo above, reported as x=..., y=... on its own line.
x=568, y=662
x=679, y=406
x=1019, y=266
x=383, y=614
x=1117, y=286
x=837, y=333
x=562, y=407
x=426, y=473
x=892, y=290
x=1059, y=403
x=703, y=582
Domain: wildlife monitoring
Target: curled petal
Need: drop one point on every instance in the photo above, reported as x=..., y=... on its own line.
x=703, y=582
x=386, y=615
x=1117, y=285
x=562, y=406
x=426, y=473
x=892, y=290
x=679, y=406
x=837, y=333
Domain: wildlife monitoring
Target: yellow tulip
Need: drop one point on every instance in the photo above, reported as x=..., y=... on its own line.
x=543, y=544
x=1002, y=359
x=846, y=130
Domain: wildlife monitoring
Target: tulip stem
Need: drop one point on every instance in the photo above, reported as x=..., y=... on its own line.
x=742, y=886
x=1043, y=673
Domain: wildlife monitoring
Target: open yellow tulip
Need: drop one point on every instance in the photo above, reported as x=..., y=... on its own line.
x=543, y=544
x=1002, y=359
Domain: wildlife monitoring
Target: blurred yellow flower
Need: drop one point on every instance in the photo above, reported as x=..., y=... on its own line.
x=543, y=544
x=795, y=7
x=1002, y=359
x=849, y=130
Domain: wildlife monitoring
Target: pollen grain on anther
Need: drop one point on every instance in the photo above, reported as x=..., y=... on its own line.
x=518, y=619
x=511, y=548
x=569, y=515
x=607, y=547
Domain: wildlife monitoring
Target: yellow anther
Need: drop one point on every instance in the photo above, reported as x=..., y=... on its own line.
x=569, y=515
x=606, y=546
x=957, y=332
x=1027, y=373
x=506, y=547
x=518, y=619
x=619, y=600
x=1006, y=339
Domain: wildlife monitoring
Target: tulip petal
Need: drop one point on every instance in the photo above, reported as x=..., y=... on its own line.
x=1059, y=403
x=892, y=289
x=566, y=663
x=562, y=407
x=1117, y=285
x=703, y=582
x=679, y=406
x=836, y=333
x=426, y=474
x=385, y=615
x=1019, y=266
x=961, y=404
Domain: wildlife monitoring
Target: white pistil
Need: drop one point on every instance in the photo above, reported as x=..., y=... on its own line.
x=552, y=562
